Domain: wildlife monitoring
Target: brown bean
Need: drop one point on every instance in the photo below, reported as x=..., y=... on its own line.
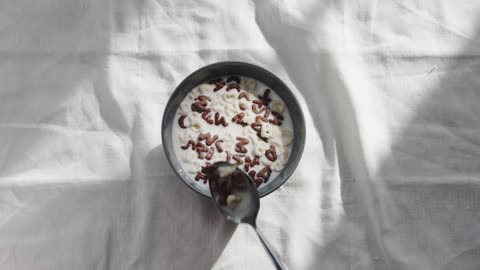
x=267, y=111
x=220, y=120
x=233, y=78
x=265, y=97
x=229, y=157
x=252, y=162
x=258, y=102
x=242, y=106
x=256, y=126
x=199, y=144
x=258, y=181
x=242, y=140
x=265, y=173
x=216, y=80
x=207, y=117
x=238, y=118
x=219, y=146
x=202, y=136
x=278, y=115
x=262, y=118
x=255, y=161
x=241, y=149
x=233, y=86
x=190, y=142
x=218, y=86
x=199, y=176
x=244, y=95
x=207, y=167
x=276, y=119
x=256, y=108
x=204, y=98
x=200, y=152
x=210, y=153
x=199, y=106
x=252, y=174
x=181, y=121
x=260, y=136
x=271, y=153
x=238, y=158
x=210, y=140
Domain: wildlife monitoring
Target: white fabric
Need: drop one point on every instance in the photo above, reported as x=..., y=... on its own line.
x=388, y=180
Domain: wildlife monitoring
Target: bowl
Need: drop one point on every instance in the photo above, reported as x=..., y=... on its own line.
x=242, y=69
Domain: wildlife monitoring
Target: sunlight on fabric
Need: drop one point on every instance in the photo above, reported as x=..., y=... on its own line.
x=42, y=153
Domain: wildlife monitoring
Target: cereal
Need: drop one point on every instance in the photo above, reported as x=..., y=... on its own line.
x=265, y=161
x=277, y=166
x=184, y=108
x=266, y=131
x=278, y=105
x=249, y=126
x=186, y=136
x=229, y=97
x=287, y=137
x=249, y=84
x=181, y=121
x=260, y=148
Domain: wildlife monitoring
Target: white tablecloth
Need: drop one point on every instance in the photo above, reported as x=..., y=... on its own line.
x=388, y=180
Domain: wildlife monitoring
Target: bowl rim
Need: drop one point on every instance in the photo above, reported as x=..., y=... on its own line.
x=301, y=119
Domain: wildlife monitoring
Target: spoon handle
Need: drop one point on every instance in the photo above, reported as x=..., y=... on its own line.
x=271, y=252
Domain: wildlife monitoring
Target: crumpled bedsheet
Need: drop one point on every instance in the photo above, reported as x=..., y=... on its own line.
x=388, y=179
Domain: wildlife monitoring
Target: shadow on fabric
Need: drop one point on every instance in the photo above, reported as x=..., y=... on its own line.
x=77, y=191
x=419, y=210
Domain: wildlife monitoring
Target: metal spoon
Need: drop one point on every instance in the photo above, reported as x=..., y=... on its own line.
x=236, y=196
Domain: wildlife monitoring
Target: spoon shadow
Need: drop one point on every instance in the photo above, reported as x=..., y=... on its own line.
x=174, y=223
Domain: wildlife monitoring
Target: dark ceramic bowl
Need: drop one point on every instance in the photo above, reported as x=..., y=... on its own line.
x=243, y=69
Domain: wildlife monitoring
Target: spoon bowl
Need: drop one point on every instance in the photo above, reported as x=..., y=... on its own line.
x=242, y=189
x=236, y=196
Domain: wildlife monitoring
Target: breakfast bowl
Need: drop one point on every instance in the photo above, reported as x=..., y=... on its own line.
x=235, y=112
